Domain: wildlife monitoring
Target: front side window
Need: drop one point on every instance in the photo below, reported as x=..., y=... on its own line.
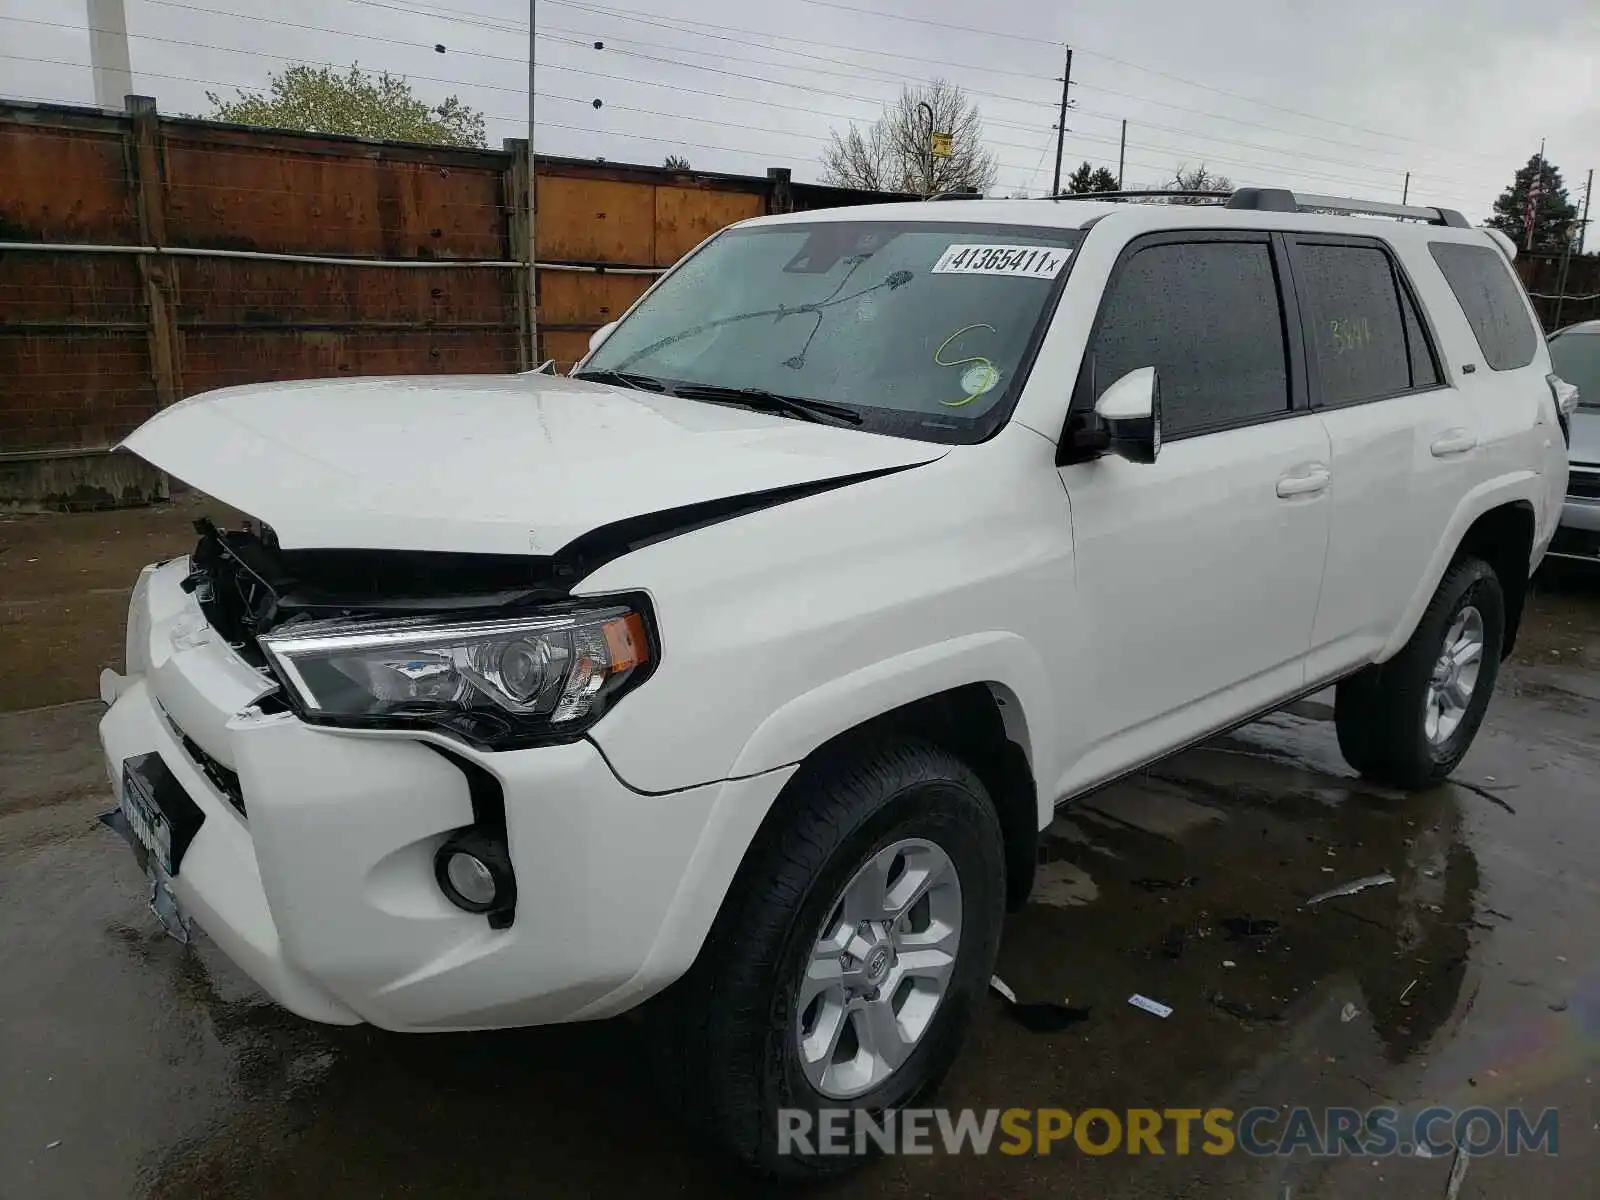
x=1207, y=316
x=1359, y=331
x=1491, y=298
x=923, y=329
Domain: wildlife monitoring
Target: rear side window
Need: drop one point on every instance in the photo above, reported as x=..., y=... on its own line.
x=1366, y=336
x=1207, y=316
x=1483, y=285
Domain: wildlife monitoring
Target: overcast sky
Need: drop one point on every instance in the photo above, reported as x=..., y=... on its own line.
x=1338, y=98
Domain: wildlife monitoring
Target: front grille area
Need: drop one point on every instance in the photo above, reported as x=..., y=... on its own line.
x=1583, y=484
x=222, y=778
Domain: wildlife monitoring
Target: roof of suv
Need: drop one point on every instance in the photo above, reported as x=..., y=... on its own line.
x=1074, y=213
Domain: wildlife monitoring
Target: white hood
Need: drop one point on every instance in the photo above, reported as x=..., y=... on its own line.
x=492, y=464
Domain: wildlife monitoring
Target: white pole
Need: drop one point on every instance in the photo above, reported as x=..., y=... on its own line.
x=533, y=245
x=108, y=53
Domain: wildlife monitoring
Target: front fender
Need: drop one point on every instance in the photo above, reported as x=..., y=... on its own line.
x=993, y=657
x=1514, y=487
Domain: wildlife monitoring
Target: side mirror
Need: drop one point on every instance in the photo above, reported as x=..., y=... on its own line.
x=1128, y=414
x=600, y=335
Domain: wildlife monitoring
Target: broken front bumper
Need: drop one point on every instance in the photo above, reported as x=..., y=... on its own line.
x=319, y=882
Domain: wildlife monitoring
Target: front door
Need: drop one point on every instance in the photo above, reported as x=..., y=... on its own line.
x=1198, y=574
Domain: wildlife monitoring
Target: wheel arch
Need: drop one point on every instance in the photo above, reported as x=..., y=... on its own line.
x=985, y=725
x=1497, y=523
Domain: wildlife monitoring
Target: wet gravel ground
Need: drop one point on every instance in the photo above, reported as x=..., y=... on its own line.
x=130, y=1066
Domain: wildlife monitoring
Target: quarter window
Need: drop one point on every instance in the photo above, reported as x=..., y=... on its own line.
x=1207, y=316
x=1491, y=298
x=1366, y=344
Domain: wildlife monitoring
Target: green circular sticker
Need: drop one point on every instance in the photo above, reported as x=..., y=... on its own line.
x=979, y=378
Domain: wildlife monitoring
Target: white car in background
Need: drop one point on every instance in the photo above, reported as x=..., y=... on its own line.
x=739, y=672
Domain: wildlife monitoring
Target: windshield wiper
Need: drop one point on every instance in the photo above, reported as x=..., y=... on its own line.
x=762, y=400
x=627, y=379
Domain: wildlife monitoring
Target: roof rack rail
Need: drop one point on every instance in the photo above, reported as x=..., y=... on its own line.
x=959, y=193
x=1283, y=200
x=1146, y=194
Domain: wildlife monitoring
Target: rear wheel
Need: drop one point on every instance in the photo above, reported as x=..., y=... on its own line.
x=1409, y=721
x=847, y=960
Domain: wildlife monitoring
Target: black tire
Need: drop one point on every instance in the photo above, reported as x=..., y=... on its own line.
x=723, y=1035
x=1379, y=713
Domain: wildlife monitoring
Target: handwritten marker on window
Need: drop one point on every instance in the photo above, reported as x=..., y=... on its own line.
x=1149, y=1005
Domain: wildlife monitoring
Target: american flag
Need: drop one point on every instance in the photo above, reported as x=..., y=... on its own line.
x=1530, y=214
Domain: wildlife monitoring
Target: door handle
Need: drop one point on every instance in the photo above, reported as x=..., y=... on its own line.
x=1304, y=482
x=1453, y=441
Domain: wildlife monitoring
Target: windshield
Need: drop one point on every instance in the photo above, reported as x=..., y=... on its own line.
x=925, y=329
x=1576, y=358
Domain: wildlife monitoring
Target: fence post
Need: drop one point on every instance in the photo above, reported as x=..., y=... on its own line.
x=149, y=194
x=514, y=185
x=780, y=192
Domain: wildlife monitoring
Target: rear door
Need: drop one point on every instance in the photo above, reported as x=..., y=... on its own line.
x=1504, y=382
x=1404, y=445
x=1197, y=574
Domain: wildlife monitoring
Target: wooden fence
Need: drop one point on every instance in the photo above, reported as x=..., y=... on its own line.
x=146, y=258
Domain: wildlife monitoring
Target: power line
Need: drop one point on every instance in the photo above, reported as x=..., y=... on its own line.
x=637, y=18
x=647, y=18
x=1269, y=104
x=695, y=66
x=1122, y=62
x=674, y=24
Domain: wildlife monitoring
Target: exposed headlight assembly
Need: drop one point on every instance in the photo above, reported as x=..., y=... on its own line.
x=496, y=682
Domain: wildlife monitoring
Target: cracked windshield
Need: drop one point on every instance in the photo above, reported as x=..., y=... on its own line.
x=922, y=329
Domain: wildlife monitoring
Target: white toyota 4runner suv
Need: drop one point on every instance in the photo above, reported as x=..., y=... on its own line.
x=738, y=672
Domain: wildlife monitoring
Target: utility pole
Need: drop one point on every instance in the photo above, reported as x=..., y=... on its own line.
x=1405, y=192
x=1530, y=216
x=533, y=204
x=927, y=170
x=1122, y=152
x=1061, y=127
x=1583, y=222
x=108, y=53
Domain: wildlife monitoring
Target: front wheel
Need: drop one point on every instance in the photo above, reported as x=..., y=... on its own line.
x=1408, y=722
x=846, y=962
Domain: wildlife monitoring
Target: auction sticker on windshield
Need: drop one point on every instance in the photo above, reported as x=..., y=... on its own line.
x=1028, y=262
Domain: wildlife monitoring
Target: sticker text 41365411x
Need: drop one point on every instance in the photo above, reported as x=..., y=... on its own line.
x=1026, y=262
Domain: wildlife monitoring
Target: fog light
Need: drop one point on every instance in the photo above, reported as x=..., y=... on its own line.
x=473, y=870
x=470, y=878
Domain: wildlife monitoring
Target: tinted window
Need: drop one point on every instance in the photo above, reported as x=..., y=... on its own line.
x=1206, y=316
x=1424, y=367
x=1481, y=279
x=1575, y=356
x=1354, y=316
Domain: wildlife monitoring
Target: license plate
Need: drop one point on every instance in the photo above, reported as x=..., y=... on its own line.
x=161, y=818
x=148, y=823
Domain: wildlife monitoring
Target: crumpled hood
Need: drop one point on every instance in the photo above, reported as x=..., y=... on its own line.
x=489, y=464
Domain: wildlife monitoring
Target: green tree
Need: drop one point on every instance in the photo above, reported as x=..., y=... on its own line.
x=1556, y=218
x=676, y=162
x=322, y=100
x=1090, y=179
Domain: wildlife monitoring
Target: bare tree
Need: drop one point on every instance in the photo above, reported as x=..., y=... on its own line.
x=1196, y=179
x=894, y=153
